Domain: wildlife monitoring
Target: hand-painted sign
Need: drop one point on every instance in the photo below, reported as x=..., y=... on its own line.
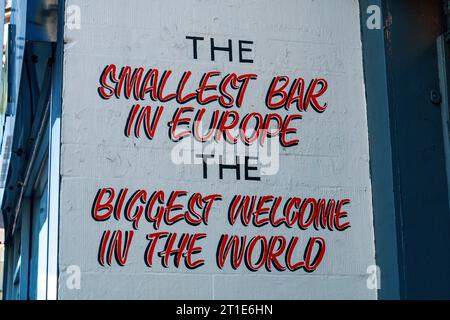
x=215, y=150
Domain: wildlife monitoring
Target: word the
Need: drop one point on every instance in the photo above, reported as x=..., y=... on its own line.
x=180, y=247
x=233, y=167
x=242, y=48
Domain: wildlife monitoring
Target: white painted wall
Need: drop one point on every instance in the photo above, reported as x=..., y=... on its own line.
x=305, y=38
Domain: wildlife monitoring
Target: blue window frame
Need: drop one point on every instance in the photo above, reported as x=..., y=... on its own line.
x=39, y=237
